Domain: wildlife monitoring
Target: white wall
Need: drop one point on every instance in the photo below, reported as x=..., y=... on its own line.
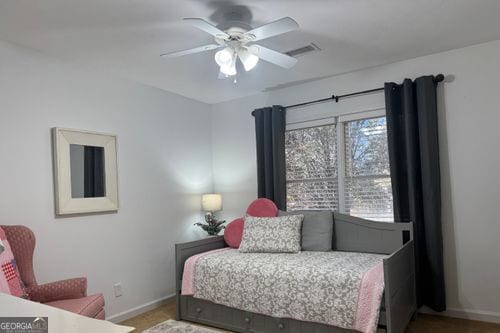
x=469, y=117
x=164, y=164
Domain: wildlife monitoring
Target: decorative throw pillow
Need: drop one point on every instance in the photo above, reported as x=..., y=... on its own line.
x=272, y=234
x=317, y=229
x=233, y=233
x=10, y=281
x=262, y=207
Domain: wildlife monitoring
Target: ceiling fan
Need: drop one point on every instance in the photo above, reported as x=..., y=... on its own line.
x=237, y=41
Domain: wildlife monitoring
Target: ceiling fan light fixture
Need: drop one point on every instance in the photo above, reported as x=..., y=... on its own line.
x=228, y=70
x=224, y=57
x=248, y=59
x=234, y=41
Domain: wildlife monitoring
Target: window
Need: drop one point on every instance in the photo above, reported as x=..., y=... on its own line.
x=311, y=161
x=342, y=166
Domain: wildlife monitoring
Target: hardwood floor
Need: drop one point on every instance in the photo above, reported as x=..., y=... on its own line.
x=151, y=318
x=424, y=323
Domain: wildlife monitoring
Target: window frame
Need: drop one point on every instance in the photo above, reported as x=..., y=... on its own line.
x=339, y=121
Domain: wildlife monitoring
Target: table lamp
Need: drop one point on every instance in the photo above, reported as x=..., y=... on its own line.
x=210, y=204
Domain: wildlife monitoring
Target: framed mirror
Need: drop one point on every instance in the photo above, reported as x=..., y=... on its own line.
x=85, y=172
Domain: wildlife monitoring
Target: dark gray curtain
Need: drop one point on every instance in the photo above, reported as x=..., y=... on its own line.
x=414, y=161
x=94, y=183
x=271, y=170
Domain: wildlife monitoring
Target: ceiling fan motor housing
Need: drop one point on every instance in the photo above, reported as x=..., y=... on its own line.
x=236, y=34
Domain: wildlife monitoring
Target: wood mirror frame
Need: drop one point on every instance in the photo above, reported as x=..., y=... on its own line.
x=65, y=203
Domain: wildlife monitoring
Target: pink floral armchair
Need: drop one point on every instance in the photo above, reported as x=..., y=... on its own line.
x=70, y=294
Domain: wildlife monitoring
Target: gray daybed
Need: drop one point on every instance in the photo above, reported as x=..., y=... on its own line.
x=351, y=234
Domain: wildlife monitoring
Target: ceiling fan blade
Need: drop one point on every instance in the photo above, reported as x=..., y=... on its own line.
x=207, y=27
x=278, y=27
x=274, y=57
x=190, y=51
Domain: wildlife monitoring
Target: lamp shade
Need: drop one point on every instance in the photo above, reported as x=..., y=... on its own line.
x=211, y=202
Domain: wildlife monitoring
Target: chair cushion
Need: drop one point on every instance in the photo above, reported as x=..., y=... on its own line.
x=89, y=306
x=101, y=315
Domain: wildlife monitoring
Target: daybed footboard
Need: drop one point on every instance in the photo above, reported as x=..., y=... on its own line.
x=185, y=250
x=400, y=290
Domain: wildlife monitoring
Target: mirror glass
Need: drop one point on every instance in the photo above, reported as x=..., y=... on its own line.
x=87, y=171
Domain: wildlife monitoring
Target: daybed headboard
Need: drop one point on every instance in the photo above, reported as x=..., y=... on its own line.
x=359, y=235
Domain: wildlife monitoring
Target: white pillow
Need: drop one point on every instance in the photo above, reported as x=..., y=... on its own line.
x=272, y=234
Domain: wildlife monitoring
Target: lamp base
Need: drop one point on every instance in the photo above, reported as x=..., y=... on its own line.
x=209, y=217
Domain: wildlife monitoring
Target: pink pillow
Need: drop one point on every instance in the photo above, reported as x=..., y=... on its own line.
x=10, y=283
x=233, y=233
x=262, y=208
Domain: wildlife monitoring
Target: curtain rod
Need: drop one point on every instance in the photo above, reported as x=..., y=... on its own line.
x=438, y=78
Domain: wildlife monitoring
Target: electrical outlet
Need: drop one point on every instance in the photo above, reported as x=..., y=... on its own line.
x=118, y=289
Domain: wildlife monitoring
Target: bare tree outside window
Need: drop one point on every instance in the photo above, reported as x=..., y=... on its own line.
x=311, y=160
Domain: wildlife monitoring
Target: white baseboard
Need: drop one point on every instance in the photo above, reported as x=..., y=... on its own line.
x=119, y=317
x=488, y=316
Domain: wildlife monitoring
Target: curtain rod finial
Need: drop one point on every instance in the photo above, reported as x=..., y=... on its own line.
x=439, y=78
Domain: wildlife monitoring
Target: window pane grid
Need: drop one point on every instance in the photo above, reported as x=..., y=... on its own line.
x=312, y=195
x=367, y=182
x=313, y=180
x=311, y=160
x=366, y=149
x=369, y=198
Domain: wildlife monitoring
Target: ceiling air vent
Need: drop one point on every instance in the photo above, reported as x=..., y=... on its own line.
x=303, y=50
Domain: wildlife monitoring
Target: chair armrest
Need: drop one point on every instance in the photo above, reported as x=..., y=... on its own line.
x=54, y=291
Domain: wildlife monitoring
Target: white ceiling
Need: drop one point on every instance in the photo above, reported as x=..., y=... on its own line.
x=126, y=37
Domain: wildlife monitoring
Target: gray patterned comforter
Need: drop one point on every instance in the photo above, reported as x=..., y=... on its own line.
x=324, y=287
